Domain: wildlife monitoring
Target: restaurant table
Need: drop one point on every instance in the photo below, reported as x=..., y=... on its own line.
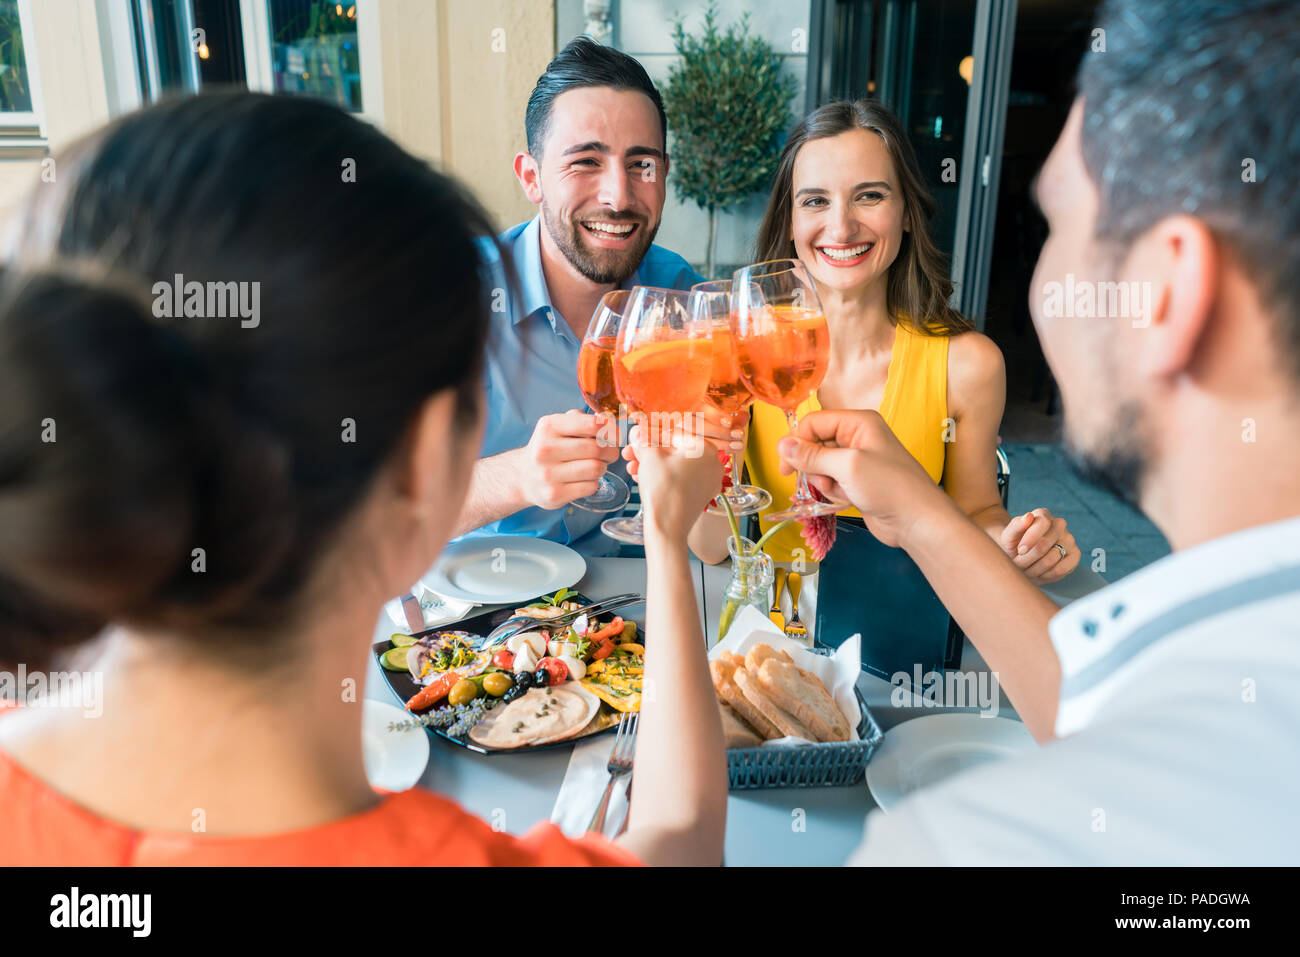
x=792, y=826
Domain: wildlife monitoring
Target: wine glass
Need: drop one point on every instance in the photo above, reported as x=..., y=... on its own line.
x=662, y=363
x=727, y=391
x=596, y=381
x=783, y=348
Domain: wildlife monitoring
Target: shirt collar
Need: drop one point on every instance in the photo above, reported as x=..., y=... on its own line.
x=532, y=281
x=535, y=297
x=1101, y=638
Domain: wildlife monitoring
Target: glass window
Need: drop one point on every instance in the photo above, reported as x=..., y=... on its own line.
x=166, y=54
x=15, y=82
x=314, y=50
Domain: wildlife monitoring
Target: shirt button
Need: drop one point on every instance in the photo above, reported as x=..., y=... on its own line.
x=1090, y=628
x=569, y=510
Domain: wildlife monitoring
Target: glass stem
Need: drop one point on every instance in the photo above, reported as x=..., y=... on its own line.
x=801, y=493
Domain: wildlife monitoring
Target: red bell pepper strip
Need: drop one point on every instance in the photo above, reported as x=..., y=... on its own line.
x=602, y=642
x=433, y=692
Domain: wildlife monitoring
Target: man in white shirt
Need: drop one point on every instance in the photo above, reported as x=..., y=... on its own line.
x=1167, y=299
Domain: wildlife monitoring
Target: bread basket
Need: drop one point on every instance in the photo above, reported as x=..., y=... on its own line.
x=827, y=764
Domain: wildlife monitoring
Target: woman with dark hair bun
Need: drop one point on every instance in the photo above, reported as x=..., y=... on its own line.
x=241, y=341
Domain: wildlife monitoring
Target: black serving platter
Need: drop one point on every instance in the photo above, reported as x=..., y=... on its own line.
x=404, y=686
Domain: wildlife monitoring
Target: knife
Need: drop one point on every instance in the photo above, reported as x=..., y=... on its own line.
x=778, y=586
x=414, y=613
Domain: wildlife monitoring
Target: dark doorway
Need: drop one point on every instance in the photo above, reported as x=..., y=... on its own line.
x=1051, y=38
x=221, y=60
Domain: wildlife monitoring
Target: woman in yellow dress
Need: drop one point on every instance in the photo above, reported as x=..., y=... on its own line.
x=849, y=203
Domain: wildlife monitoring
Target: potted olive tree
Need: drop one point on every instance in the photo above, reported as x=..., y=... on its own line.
x=728, y=105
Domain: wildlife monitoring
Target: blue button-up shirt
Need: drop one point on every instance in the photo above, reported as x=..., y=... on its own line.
x=532, y=371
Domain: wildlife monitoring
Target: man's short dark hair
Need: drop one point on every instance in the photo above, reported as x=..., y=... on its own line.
x=1194, y=107
x=584, y=62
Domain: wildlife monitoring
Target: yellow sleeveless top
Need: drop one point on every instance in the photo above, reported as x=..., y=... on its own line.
x=914, y=405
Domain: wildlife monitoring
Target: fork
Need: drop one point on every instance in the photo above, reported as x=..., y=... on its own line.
x=778, y=586
x=794, y=628
x=514, y=625
x=620, y=764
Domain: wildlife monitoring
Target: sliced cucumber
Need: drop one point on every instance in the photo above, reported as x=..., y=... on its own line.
x=401, y=641
x=394, y=659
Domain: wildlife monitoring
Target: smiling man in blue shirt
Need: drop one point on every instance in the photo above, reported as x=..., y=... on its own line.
x=596, y=166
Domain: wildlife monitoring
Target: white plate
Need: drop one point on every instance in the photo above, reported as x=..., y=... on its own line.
x=394, y=759
x=500, y=569
x=924, y=751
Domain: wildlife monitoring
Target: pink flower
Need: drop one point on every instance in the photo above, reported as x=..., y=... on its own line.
x=818, y=532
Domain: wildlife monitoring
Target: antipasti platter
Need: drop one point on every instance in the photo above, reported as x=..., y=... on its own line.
x=538, y=676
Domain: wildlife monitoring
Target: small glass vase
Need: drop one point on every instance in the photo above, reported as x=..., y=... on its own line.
x=751, y=582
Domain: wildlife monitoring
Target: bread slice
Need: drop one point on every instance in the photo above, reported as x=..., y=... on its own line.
x=755, y=695
x=723, y=672
x=735, y=731
x=803, y=695
x=761, y=653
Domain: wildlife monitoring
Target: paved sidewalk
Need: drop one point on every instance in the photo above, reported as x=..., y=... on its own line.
x=1041, y=476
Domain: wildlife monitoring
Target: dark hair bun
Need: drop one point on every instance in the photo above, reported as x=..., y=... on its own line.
x=119, y=458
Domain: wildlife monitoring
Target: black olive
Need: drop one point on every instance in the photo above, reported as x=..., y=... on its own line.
x=541, y=678
x=512, y=694
x=523, y=679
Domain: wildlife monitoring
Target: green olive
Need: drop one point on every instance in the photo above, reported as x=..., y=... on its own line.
x=462, y=692
x=497, y=683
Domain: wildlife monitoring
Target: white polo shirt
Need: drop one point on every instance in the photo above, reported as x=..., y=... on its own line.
x=1178, y=729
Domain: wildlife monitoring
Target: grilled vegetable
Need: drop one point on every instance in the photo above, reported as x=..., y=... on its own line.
x=433, y=692
x=394, y=659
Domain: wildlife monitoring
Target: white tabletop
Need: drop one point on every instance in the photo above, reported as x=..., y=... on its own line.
x=799, y=826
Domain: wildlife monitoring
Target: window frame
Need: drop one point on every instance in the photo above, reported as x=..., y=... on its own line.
x=24, y=132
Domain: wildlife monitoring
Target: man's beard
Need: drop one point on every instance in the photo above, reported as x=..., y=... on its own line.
x=601, y=266
x=1120, y=465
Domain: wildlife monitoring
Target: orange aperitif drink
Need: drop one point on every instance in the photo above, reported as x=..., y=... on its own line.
x=596, y=374
x=783, y=346
x=786, y=361
x=727, y=390
x=665, y=377
x=661, y=368
x=596, y=383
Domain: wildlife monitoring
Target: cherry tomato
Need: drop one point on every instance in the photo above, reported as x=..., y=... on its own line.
x=504, y=659
x=556, y=669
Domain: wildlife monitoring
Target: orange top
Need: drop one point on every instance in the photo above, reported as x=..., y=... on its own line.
x=39, y=826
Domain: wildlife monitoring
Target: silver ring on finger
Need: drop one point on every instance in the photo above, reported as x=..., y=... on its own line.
x=1058, y=545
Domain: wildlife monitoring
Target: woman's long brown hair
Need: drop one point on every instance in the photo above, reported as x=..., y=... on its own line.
x=918, y=286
